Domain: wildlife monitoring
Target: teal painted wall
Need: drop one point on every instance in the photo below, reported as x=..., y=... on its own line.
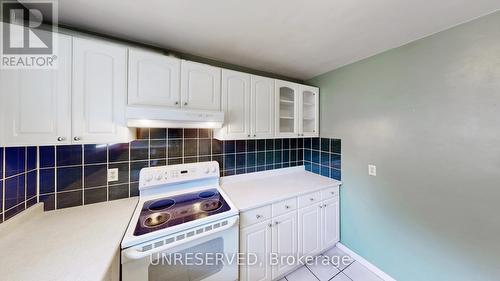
x=428, y=115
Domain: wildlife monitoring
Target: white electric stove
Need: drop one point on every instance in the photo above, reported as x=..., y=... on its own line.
x=183, y=220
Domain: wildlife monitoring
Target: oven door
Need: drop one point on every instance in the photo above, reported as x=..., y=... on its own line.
x=191, y=255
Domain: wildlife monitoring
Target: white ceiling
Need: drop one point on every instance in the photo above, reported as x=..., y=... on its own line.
x=295, y=38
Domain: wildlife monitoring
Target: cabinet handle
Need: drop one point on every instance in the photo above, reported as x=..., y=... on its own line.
x=76, y=139
x=311, y=199
x=324, y=205
x=248, y=135
x=176, y=103
x=61, y=139
x=270, y=225
x=258, y=216
x=333, y=193
x=320, y=206
x=254, y=136
x=287, y=207
x=185, y=103
x=276, y=222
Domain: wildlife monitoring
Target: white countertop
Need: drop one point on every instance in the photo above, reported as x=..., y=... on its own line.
x=253, y=190
x=79, y=243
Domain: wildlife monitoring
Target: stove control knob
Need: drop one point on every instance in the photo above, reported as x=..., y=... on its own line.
x=149, y=178
x=166, y=175
x=159, y=177
x=207, y=170
x=214, y=169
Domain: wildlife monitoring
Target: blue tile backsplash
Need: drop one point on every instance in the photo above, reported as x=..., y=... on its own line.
x=18, y=180
x=73, y=175
x=323, y=156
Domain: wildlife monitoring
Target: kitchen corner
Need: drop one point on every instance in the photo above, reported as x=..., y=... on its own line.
x=80, y=243
x=249, y=140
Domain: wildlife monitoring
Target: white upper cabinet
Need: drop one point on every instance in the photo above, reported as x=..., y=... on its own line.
x=248, y=104
x=37, y=103
x=200, y=86
x=153, y=79
x=262, y=107
x=99, y=92
x=309, y=111
x=287, y=99
x=236, y=103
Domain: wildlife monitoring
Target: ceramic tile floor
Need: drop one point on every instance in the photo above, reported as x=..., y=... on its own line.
x=350, y=270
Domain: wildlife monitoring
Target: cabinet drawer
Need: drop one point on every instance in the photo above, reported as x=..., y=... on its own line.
x=284, y=206
x=329, y=192
x=308, y=199
x=256, y=215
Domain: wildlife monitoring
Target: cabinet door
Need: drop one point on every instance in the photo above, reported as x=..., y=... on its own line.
x=330, y=222
x=153, y=79
x=309, y=111
x=285, y=240
x=256, y=240
x=236, y=104
x=99, y=92
x=310, y=230
x=262, y=107
x=286, y=109
x=200, y=86
x=37, y=103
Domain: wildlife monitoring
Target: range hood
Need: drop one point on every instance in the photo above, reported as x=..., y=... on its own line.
x=160, y=117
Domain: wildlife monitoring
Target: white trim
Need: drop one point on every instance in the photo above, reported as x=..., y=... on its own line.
x=365, y=263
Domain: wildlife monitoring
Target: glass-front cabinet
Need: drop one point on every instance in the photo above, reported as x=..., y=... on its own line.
x=308, y=111
x=258, y=108
x=287, y=98
x=297, y=110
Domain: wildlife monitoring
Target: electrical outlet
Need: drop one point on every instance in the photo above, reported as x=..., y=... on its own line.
x=112, y=174
x=372, y=170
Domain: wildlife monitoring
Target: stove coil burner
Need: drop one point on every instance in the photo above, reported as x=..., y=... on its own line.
x=210, y=205
x=156, y=219
x=161, y=204
x=206, y=194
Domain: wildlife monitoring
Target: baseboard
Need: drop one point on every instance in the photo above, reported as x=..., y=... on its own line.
x=365, y=263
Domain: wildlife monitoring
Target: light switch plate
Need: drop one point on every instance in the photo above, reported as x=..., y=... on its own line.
x=372, y=170
x=112, y=175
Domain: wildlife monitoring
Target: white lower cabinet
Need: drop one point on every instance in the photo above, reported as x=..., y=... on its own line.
x=288, y=231
x=310, y=230
x=330, y=222
x=284, y=241
x=256, y=241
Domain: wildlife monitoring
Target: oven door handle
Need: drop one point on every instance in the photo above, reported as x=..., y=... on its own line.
x=136, y=253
